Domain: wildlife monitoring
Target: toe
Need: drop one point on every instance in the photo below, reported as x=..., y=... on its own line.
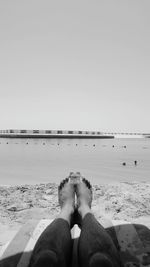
x=87, y=183
x=62, y=183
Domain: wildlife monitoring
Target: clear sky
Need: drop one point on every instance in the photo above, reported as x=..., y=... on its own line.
x=78, y=65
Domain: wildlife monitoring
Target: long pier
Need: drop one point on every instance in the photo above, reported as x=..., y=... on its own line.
x=51, y=134
x=12, y=133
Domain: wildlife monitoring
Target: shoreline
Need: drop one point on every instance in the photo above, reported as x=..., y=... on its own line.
x=128, y=201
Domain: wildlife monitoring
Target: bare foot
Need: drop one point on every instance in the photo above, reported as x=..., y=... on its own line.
x=66, y=198
x=84, y=197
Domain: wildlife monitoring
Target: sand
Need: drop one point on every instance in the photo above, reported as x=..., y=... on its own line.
x=120, y=201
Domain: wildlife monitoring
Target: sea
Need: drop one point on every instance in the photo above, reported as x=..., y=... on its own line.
x=34, y=161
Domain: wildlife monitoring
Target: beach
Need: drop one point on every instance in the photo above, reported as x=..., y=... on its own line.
x=31, y=171
x=119, y=201
x=75, y=98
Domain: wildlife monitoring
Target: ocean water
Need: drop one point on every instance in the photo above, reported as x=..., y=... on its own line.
x=31, y=161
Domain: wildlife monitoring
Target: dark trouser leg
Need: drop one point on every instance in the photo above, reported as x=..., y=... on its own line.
x=96, y=247
x=54, y=246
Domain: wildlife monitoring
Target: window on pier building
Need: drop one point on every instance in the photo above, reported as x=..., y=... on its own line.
x=70, y=132
x=47, y=131
x=59, y=132
x=23, y=131
x=35, y=131
x=79, y=132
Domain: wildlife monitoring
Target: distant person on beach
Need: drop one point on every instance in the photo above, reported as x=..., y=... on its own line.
x=135, y=162
x=95, y=246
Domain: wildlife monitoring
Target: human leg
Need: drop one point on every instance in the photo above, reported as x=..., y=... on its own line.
x=96, y=247
x=54, y=246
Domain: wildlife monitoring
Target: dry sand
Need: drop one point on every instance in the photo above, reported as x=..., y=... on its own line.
x=121, y=201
